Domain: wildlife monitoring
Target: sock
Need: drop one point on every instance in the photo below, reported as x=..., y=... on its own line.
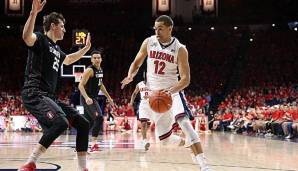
x=82, y=162
x=36, y=154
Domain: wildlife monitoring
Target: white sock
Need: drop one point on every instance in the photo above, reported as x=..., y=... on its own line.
x=35, y=155
x=201, y=160
x=82, y=162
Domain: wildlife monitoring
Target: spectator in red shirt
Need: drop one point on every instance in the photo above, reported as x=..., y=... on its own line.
x=227, y=119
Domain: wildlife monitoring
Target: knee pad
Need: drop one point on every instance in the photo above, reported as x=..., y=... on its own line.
x=171, y=140
x=191, y=135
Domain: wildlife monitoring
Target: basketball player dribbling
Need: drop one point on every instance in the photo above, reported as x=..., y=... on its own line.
x=167, y=56
x=42, y=70
x=143, y=109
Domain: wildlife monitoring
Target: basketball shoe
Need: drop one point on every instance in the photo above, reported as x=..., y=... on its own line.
x=28, y=167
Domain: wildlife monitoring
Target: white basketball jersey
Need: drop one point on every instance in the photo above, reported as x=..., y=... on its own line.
x=162, y=63
x=144, y=91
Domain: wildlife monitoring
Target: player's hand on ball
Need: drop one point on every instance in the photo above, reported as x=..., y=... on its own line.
x=146, y=96
x=167, y=91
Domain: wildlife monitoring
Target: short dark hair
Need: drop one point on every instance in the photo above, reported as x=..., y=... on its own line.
x=95, y=52
x=52, y=18
x=165, y=19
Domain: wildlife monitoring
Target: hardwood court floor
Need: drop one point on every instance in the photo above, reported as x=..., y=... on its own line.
x=121, y=152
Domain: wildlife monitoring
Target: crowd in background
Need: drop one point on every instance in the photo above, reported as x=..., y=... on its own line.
x=264, y=101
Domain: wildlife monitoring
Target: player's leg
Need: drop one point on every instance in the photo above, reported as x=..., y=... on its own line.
x=82, y=125
x=179, y=110
x=102, y=104
x=50, y=117
x=93, y=113
x=144, y=112
x=95, y=133
x=144, y=128
x=164, y=124
x=96, y=126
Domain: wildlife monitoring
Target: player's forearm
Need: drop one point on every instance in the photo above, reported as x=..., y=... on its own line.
x=182, y=84
x=105, y=92
x=133, y=97
x=73, y=57
x=83, y=91
x=133, y=70
x=29, y=26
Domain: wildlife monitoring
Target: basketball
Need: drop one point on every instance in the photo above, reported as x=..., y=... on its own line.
x=160, y=102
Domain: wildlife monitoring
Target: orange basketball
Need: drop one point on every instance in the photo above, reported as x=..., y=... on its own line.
x=160, y=102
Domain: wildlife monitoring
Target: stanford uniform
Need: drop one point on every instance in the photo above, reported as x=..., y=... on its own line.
x=42, y=71
x=93, y=112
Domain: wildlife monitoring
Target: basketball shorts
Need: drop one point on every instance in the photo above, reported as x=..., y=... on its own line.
x=46, y=108
x=165, y=122
x=144, y=111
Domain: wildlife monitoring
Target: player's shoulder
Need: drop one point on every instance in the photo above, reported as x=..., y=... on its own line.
x=90, y=67
x=151, y=38
x=178, y=43
x=89, y=70
x=182, y=48
x=40, y=36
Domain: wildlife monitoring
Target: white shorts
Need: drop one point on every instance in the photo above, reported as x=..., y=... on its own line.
x=165, y=122
x=144, y=110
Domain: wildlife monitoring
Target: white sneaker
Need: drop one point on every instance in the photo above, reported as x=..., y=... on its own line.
x=269, y=135
x=231, y=127
x=289, y=136
x=206, y=168
x=202, y=161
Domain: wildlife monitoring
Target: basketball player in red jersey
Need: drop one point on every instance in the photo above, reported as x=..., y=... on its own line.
x=167, y=56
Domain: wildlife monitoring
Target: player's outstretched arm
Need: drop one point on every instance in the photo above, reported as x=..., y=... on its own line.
x=134, y=95
x=136, y=64
x=28, y=36
x=71, y=58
